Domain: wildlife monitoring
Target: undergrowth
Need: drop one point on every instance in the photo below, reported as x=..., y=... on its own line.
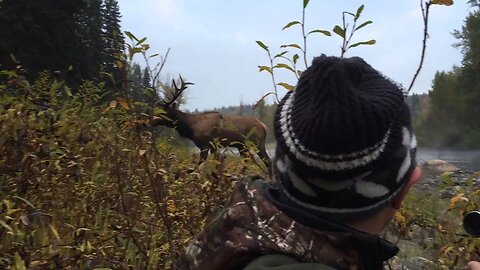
x=86, y=185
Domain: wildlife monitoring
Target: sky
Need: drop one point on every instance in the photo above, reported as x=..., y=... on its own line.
x=212, y=42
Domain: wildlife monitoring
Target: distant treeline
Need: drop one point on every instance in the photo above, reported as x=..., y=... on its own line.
x=450, y=117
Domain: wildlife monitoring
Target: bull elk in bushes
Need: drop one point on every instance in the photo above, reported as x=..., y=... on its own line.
x=212, y=129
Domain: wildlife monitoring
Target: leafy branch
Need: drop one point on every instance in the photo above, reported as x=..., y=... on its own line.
x=283, y=61
x=343, y=30
x=291, y=63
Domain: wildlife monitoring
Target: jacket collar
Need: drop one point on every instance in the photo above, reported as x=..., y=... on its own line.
x=374, y=249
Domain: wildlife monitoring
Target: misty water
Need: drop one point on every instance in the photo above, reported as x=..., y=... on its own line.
x=466, y=160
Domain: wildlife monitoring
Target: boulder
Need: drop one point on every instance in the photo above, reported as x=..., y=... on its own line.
x=413, y=263
x=437, y=166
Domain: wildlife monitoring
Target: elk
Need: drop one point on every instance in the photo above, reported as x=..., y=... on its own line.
x=206, y=128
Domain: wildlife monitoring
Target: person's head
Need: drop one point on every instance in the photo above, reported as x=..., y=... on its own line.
x=345, y=146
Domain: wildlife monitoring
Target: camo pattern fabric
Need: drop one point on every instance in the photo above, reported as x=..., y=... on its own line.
x=250, y=226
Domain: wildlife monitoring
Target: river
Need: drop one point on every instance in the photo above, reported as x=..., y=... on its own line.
x=466, y=160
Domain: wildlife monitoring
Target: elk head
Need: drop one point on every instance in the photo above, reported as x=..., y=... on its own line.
x=169, y=106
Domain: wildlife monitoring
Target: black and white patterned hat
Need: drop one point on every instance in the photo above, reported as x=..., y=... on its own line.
x=345, y=145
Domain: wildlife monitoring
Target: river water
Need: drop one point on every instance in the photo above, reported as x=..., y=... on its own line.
x=466, y=160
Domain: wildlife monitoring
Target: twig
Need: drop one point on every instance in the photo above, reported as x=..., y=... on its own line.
x=304, y=50
x=273, y=77
x=118, y=179
x=425, y=12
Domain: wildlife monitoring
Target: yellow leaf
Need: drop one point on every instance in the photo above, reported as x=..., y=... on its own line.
x=442, y=2
x=54, y=232
x=123, y=102
x=399, y=217
x=455, y=199
x=447, y=250
x=286, y=86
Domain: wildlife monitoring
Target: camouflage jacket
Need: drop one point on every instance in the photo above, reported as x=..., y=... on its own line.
x=250, y=226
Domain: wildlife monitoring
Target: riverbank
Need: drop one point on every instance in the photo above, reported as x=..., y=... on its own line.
x=430, y=220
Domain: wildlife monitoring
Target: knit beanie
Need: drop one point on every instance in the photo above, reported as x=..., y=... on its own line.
x=345, y=145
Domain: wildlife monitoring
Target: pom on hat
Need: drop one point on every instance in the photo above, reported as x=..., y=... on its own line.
x=345, y=145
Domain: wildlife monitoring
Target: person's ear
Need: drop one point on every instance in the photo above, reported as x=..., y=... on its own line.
x=414, y=177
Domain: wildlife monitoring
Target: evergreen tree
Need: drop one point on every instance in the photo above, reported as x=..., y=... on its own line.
x=135, y=79
x=454, y=117
x=469, y=81
x=42, y=34
x=91, y=34
x=146, y=80
x=53, y=35
x=114, y=41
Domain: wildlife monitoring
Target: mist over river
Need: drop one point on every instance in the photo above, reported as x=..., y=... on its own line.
x=466, y=160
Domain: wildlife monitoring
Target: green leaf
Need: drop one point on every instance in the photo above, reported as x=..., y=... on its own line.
x=293, y=45
x=145, y=47
x=295, y=58
x=305, y=3
x=68, y=91
x=131, y=36
x=339, y=31
x=19, y=263
x=363, y=25
x=359, y=11
x=136, y=50
x=262, y=45
x=368, y=42
x=292, y=23
x=285, y=66
x=280, y=54
x=325, y=32
x=287, y=86
x=265, y=68
x=141, y=41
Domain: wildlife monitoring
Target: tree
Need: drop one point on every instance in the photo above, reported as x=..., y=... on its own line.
x=41, y=34
x=63, y=35
x=90, y=32
x=454, y=116
x=135, y=78
x=114, y=42
x=469, y=37
x=146, y=80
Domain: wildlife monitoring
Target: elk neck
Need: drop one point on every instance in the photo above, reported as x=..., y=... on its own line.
x=184, y=123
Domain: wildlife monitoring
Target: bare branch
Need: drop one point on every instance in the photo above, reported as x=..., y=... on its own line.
x=425, y=12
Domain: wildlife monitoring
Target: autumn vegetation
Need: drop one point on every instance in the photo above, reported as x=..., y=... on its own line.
x=86, y=183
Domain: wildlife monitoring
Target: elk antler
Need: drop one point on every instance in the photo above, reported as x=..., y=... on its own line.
x=176, y=91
